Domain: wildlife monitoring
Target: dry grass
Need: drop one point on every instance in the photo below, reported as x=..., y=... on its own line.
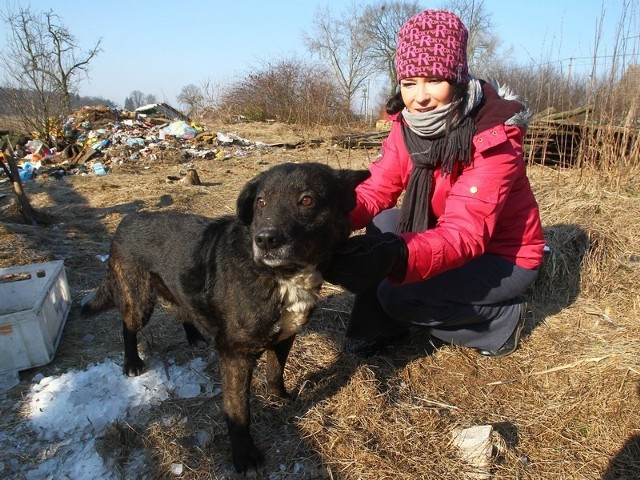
x=565, y=405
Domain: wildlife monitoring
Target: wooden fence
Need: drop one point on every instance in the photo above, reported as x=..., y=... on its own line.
x=565, y=139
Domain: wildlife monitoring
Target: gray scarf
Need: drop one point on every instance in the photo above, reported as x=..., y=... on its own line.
x=433, y=124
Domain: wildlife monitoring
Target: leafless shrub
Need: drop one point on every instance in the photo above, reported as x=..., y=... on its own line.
x=287, y=90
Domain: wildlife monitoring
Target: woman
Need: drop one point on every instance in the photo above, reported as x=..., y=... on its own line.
x=467, y=241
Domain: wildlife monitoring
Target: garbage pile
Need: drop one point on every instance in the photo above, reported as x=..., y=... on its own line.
x=96, y=138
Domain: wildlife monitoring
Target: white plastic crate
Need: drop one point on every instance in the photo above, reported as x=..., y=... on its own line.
x=34, y=303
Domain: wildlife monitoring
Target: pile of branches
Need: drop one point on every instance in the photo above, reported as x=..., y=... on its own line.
x=566, y=139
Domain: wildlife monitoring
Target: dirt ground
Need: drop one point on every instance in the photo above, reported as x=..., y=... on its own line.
x=566, y=405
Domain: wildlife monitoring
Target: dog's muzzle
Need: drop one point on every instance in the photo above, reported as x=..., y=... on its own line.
x=271, y=248
x=268, y=239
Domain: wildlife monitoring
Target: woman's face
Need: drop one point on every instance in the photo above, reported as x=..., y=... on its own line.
x=422, y=94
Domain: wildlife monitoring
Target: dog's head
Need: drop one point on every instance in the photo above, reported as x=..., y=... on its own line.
x=297, y=213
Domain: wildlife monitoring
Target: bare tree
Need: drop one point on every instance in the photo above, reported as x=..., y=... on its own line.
x=9, y=165
x=192, y=98
x=67, y=59
x=137, y=99
x=381, y=23
x=41, y=62
x=212, y=92
x=342, y=43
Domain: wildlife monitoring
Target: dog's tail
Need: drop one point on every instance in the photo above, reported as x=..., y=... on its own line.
x=98, y=299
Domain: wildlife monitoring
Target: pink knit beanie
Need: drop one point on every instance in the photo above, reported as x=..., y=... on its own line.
x=433, y=44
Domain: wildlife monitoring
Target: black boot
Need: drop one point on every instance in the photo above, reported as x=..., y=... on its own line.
x=511, y=344
x=370, y=329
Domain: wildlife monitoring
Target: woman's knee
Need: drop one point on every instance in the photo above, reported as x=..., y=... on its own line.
x=391, y=299
x=408, y=303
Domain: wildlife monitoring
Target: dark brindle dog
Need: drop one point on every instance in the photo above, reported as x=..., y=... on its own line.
x=248, y=282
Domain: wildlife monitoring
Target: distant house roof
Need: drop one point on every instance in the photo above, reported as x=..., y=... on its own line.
x=162, y=109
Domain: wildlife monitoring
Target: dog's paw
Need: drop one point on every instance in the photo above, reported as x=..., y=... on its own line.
x=247, y=459
x=281, y=395
x=199, y=344
x=133, y=367
x=194, y=337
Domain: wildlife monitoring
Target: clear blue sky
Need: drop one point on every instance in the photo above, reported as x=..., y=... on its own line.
x=160, y=46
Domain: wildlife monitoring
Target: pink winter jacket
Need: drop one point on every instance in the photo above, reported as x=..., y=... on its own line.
x=487, y=207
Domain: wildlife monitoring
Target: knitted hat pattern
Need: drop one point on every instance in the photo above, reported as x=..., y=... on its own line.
x=433, y=44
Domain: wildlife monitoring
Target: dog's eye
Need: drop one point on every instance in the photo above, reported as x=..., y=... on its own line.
x=307, y=201
x=261, y=202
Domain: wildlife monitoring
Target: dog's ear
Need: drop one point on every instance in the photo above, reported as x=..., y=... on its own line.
x=353, y=178
x=350, y=180
x=247, y=199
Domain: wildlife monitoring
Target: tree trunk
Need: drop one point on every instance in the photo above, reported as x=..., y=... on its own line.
x=27, y=211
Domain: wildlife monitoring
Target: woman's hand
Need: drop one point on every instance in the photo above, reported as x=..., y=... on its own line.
x=365, y=260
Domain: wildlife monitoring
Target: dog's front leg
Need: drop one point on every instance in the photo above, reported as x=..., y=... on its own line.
x=276, y=360
x=133, y=364
x=236, y=371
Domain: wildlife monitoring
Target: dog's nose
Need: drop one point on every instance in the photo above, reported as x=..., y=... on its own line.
x=268, y=238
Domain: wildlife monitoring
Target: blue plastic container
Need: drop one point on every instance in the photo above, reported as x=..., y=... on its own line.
x=98, y=169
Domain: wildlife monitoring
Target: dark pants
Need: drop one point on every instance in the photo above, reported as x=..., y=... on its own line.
x=476, y=305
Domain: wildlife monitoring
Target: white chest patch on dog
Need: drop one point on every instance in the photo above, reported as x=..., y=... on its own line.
x=299, y=295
